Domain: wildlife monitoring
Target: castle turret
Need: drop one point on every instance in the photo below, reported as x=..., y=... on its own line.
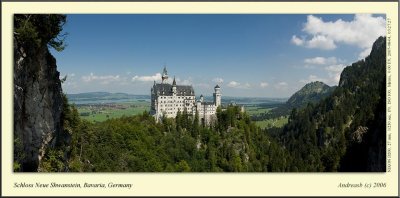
x=201, y=98
x=164, y=74
x=174, y=86
x=217, y=96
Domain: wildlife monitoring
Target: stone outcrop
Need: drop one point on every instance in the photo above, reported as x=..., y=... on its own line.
x=37, y=105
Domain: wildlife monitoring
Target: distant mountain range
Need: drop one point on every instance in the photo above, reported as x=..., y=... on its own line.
x=96, y=96
x=312, y=92
x=93, y=96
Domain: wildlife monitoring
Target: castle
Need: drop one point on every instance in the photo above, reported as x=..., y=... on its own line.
x=167, y=100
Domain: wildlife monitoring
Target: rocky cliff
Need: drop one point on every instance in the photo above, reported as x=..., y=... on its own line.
x=37, y=103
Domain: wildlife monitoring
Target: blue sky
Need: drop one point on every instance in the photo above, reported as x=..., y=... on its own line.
x=247, y=55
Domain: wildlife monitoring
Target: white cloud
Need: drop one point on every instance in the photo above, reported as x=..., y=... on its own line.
x=313, y=78
x=264, y=84
x=335, y=68
x=281, y=85
x=246, y=85
x=365, y=53
x=155, y=77
x=218, y=80
x=235, y=84
x=321, y=60
x=297, y=41
x=70, y=81
x=321, y=42
x=332, y=78
x=185, y=81
x=334, y=72
x=317, y=41
x=101, y=79
x=361, y=32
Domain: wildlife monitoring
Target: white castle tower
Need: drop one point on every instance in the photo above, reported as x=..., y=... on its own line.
x=217, y=96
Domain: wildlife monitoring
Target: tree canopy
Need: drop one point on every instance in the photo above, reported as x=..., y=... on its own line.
x=35, y=30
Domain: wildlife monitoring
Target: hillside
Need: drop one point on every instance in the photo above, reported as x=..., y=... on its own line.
x=345, y=131
x=312, y=92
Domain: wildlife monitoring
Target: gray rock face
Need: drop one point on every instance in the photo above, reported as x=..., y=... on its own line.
x=37, y=106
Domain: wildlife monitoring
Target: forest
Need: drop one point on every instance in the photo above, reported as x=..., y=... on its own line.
x=139, y=144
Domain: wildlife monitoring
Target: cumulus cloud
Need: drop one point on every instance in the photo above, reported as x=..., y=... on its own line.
x=101, y=79
x=246, y=86
x=334, y=72
x=332, y=78
x=218, y=80
x=264, y=84
x=297, y=41
x=361, y=32
x=281, y=85
x=335, y=68
x=365, y=53
x=322, y=60
x=313, y=78
x=155, y=77
x=185, y=81
x=321, y=42
x=234, y=84
x=70, y=81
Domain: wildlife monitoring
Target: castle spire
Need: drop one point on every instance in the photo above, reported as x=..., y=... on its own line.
x=164, y=74
x=174, y=87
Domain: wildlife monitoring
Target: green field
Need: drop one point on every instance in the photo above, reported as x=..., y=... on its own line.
x=277, y=122
x=102, y=112
x=97, y=113
x=255, y=110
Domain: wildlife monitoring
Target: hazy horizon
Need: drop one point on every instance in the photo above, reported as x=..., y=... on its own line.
x=197, y=95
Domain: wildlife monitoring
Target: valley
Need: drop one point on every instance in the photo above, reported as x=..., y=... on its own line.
x=100, y=106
